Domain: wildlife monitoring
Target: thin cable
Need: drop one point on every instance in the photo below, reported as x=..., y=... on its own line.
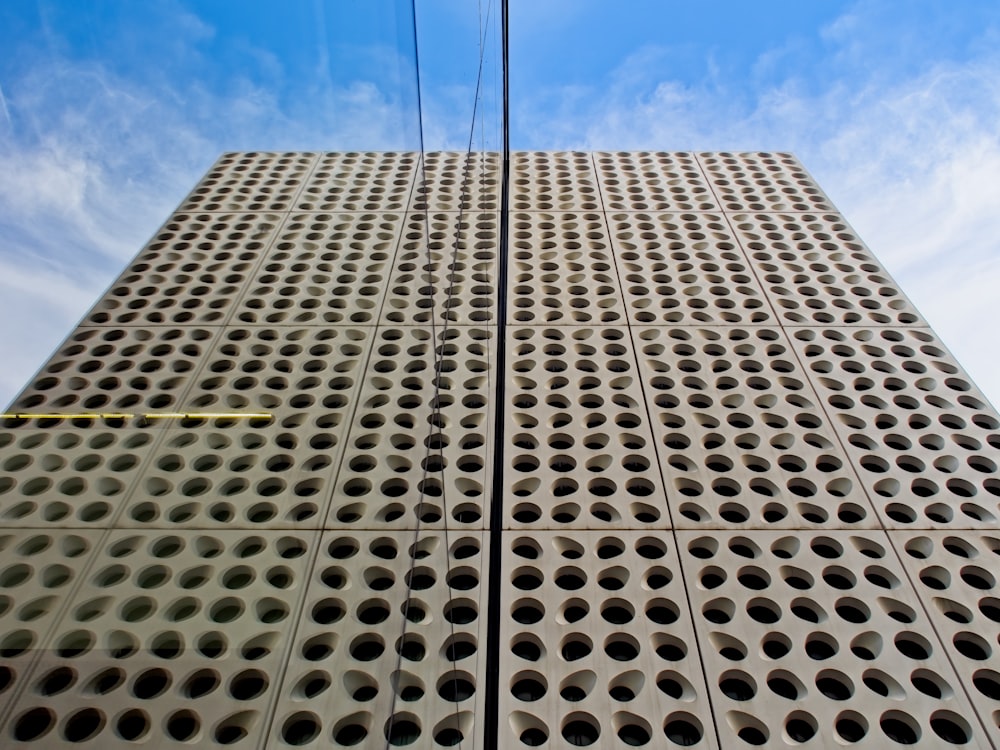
x=488, y=186
x=416, y=531
x=491, y=721
x=439, y=352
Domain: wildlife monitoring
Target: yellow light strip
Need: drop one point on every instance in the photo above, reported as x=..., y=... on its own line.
x=206, y=415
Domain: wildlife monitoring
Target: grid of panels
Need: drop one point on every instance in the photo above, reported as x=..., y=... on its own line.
x=273, y=304
x=716, y=307
x=595, y=636
x=354, y=181
x=445, y=271
x=719, y=411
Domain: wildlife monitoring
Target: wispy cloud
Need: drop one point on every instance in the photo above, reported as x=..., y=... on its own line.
x=910, y=157
x=97, y=161
x=92, y=158
x=4, y=109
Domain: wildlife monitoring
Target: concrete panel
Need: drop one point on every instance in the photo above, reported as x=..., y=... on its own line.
x=325, y=269
x=956, y=577
x=597, y=643
x=924, y=439
x=562, y=271
x=359, y=181
x=685, y=269
x=171, y=640
x=70, y=478
x=390, y=646
x=811, y=639
x=742, y=438
x=553, y=181
x=762, y=181
x=653, y=181
x=190, y=273
x=817, y=272
x=254, y=181
x=578, y=446
x=419, y=445
x=448, y=280
x=449, y=181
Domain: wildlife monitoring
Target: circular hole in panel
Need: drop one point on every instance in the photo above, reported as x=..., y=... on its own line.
x=105, y=681
x=16, y=643
x=352, y=729
x=528, y=686
x=183, y=725
x=776, y=645
x=53, y=683
x=248, y=684
x=987, y=682
x=575, y=646
x=900, y=727
x=132, y=725
x=34, y=724
x=748, y=728
x=529, y=729
x=151, y=683
x=527, y=647
x=580, y=729
x=402, y=729
x=851, y=726
x=737, y=685
x=785, y=684
x=683, y=729
x=300, y=728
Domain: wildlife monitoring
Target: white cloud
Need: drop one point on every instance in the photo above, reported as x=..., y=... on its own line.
x=39, y=306
x=912, y=163
x=91, y=163
x=914, y=170
x=94, y=163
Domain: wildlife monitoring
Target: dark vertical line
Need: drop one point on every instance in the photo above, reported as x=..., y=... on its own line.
x=491, y=719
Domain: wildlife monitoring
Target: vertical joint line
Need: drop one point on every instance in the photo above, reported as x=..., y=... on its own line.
x=491, y=719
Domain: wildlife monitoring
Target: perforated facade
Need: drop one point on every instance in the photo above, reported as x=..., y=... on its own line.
x=310, y=474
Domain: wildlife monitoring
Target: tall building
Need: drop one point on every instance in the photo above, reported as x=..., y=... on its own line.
x=311, y=474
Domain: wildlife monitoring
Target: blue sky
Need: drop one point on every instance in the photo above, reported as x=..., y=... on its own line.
x=111, y=110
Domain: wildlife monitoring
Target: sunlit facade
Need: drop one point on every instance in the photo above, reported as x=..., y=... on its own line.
x=310, y=474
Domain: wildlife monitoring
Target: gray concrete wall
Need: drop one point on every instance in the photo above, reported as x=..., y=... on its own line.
x=747, y=496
